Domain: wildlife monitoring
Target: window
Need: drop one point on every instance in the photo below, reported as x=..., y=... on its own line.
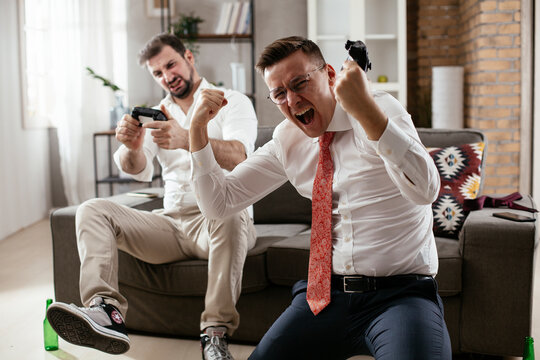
x=58, y=40
x=34, y=35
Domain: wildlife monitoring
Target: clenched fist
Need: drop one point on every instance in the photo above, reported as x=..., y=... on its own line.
x=208, y=104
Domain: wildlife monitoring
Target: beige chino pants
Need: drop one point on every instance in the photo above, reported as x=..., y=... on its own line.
x=103, y=227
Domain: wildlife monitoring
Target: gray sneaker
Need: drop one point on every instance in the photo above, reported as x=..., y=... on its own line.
x=100, y=326
x=214, y=344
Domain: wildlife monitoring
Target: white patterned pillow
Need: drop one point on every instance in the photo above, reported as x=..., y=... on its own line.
x=460, y=171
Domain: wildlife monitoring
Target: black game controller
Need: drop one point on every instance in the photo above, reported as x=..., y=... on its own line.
x=145, y=115
x=358, y=52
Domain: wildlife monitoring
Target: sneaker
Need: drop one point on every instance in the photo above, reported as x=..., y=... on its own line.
x=214, y=344
x=100, y=326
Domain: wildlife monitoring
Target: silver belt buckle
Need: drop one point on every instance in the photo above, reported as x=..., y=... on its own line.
x=345, y=290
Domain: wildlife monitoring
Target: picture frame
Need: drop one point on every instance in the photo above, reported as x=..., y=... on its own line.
x=153, y=8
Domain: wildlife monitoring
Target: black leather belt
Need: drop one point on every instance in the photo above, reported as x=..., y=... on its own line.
x=360, y=284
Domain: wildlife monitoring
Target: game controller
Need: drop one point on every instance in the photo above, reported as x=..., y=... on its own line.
x=358, y=52
x=145, y=115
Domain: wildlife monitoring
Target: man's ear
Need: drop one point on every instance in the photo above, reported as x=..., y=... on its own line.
x=331, y=74
x=190, y=58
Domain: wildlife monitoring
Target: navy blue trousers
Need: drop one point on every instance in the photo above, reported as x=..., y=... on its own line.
x=405, y=323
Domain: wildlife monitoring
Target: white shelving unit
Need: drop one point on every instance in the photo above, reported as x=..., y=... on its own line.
x=381, y=24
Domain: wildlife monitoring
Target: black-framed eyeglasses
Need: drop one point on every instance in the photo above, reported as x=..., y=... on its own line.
x=297, y=85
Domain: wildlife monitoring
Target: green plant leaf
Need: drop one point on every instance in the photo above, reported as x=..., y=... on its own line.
x=106, y=82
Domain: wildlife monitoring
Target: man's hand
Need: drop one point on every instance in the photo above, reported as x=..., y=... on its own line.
x=208, y=104
x=129, y=133
x=168, y=134
x=352, y=88
x=354, y=95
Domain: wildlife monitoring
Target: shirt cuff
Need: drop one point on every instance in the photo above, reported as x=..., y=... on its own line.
x=145, y=175
x=203, y=162
x=393, y=144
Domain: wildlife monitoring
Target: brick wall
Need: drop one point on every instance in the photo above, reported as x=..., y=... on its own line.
x=484, y=37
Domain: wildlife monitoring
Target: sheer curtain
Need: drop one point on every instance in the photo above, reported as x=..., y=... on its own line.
x=83, y=33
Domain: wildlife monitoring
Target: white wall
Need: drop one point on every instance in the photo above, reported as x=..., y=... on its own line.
x=24, y=156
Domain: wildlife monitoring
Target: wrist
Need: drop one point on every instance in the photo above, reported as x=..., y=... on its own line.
x=198, y=137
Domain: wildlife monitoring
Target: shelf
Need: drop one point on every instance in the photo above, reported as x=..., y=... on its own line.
x=112, y=178
x=386, y=86
x=222, y=37
x=106, y=132
x=381, y=37
x=380, y=24
x=331, y=37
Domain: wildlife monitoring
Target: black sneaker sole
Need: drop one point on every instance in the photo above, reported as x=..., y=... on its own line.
x=78, y=330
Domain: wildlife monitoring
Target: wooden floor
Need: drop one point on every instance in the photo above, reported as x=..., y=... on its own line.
x=26, y=281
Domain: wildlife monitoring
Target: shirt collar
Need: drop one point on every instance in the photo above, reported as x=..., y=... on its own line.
x=340, y=120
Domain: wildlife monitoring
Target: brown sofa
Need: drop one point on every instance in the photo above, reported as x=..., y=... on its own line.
x=485, y=277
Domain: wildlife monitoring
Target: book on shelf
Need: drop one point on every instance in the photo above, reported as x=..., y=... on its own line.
x=244, y=19
x=235, y=18
x=237, y=6
x=224, y=17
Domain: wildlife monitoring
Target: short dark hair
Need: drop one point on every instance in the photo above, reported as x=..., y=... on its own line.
x=282, y=48
x=155, y=44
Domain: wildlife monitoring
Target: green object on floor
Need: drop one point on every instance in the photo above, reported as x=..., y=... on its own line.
x=50, y=337
x=528, y=348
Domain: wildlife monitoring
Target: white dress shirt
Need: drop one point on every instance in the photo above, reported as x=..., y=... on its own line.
x=236, y=121
x=381, y=221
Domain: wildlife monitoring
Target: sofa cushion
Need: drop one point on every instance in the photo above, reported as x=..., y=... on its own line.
x=441, y=138
x=460, y=171
x=283, y=205
x=164, y=278
x=450, y=265
x=288, y=260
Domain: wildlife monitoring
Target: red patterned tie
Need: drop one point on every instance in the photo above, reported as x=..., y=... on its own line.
x=320, y=252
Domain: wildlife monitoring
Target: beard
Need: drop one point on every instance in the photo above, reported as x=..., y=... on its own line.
x=186, y=89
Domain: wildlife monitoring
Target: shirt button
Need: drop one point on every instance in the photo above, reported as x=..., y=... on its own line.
x=347, y=238
x=345, y=217
x=348, y=267
x=389, y=152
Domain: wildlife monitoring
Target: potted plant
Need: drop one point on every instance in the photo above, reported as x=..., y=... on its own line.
x=116, y=112
x=187, y=29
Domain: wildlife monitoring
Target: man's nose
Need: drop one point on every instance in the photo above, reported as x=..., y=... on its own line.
x=167, y=76
x=292, y=97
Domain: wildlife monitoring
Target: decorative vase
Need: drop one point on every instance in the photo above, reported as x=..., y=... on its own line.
x=117, y=111
x=238, y=77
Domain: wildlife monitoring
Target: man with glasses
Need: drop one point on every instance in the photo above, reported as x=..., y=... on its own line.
x=177, y=232
x=356, y=154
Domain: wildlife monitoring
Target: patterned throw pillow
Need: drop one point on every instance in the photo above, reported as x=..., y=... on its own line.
x=459, y=168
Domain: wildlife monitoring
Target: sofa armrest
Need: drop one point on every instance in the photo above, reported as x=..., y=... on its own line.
x=498, y=267
x=66, y=262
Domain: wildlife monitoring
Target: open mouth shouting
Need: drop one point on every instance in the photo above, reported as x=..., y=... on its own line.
x=305, y=116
